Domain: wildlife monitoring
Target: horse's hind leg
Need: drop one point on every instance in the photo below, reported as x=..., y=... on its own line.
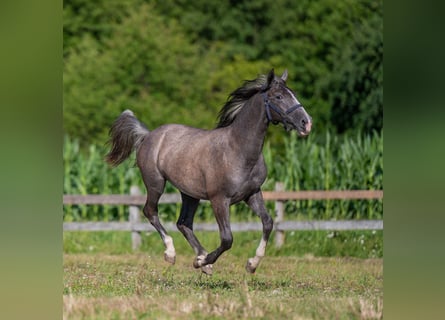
x=256, y=203
x=185, y=225
x=154, y=192
x=221, y=210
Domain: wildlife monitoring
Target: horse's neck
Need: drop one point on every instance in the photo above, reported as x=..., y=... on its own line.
x=249, y=128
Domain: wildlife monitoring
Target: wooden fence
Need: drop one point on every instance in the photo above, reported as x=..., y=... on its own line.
x=136, y=199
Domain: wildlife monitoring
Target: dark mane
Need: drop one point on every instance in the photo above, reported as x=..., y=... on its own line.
x=237, y=100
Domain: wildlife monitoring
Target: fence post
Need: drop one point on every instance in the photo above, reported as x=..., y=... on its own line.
x=279, y=212
x=134, y=217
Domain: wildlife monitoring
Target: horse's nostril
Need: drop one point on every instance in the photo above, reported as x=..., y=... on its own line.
x=303, y=122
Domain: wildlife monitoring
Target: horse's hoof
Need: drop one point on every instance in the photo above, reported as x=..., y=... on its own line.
x=199, y=261
x=207, y=269
x=249, y=267
x=169, y=259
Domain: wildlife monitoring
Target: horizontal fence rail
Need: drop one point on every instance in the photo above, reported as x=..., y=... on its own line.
x=136, y=199
x=239, y=226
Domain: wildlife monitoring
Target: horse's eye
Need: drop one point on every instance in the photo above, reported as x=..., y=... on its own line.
x=279, y=97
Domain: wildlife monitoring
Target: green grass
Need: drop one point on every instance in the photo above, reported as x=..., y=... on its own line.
x=358, y=244
x=143, y=286
x=104, y=279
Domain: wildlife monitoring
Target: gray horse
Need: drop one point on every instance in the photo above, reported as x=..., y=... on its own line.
x=224, y=165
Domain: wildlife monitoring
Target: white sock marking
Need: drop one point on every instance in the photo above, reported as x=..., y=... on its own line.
x=169, y=247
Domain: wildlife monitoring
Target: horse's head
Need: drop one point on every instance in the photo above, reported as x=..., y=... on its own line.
x=282, y=105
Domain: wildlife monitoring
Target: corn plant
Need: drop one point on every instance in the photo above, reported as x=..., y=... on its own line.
x=324, y=162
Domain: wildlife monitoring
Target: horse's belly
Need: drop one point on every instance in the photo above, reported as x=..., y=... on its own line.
x=245, y=190
x=191, y=184
x=246, y=185
x=201, y=186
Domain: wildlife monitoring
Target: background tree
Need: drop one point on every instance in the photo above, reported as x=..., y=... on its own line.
x=177, y=60
x=355, y=87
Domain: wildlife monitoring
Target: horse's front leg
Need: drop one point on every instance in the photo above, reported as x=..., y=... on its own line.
x=256, y=203
x=221, y=210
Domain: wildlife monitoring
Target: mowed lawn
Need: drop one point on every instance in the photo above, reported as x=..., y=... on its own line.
x=143, y=286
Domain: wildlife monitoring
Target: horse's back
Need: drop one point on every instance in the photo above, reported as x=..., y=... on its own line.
x=200, y=163
x=181, y=154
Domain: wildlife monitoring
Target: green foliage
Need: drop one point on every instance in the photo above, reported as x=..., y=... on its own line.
x=359, y=244
x=355, y=87
x=146, y=63
x=336, y=163
x=333, y=163
x=97, y=19
x=177, y=60
x=307, y=37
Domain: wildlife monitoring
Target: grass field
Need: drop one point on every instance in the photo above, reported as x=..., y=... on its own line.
x=106, y=284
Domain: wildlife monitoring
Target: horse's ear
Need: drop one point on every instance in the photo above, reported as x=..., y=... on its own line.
x=270, y=77
x=284, y=75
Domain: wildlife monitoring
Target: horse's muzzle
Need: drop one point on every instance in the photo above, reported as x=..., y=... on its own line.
x=300, y=122
x=307, y=126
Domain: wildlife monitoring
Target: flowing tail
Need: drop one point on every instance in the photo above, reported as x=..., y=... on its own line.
x=126, y=134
